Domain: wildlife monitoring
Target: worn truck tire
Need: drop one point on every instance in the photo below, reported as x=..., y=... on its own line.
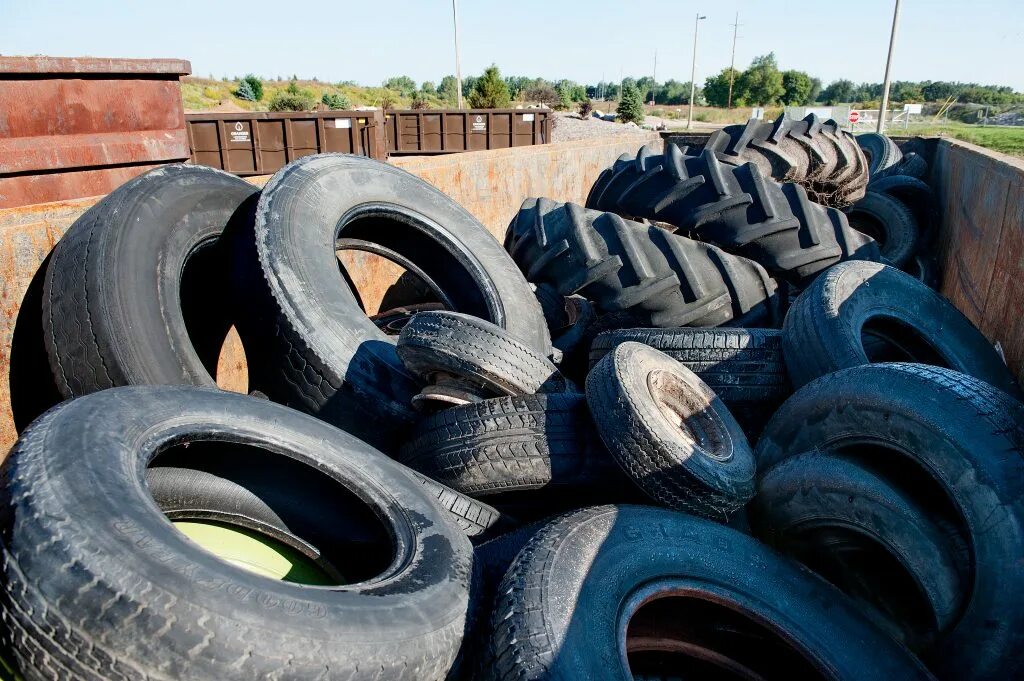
x=512, y=444
x=737, y=208
x=484, y=359
x=623, y=265
x=742, y=366
x=477, y=520
x=916, y=195
x=954, y=444
x=865, y=536
x=669, y=432
x=890, y=223
x=880, y=150
x=826, y=327
x=326, y=357
x=815, y=154
x=133, y=292
x=594, y=591
x=911, y=165
x=144, y=601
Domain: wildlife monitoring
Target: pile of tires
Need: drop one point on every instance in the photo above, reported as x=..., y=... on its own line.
x=739, y=447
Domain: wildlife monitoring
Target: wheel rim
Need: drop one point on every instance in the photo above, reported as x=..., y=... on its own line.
x=254, y=552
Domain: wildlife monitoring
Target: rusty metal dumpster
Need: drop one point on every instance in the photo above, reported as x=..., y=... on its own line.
x=424, y=131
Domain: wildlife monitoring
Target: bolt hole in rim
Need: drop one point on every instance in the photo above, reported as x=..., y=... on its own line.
x=418, y=245
x=288, y=537
x=671, y=628
x=689, y=413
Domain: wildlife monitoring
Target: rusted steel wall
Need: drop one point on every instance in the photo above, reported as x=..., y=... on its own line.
x=493, y=184
x=981, y=198
x=71, y=128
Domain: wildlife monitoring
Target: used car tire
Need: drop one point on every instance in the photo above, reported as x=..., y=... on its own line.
x=669, y=432
x=911, y=165
x=489, y=362
x=742, y=366
x=890, y=223
x=143, y=600
x=866, y=537
x=916, y=195
x=325, y=356
x=582, y=601
x=880, y=150
x=621, y=265
x=954, y=443
x=133, y=293
x=511, y=444
x=825, y=327
x=738, y=208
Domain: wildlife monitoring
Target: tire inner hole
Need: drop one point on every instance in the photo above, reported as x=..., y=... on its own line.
x=887, y=339
x=690, y=413
x=868, y=224
x=681, y=636
x=269, y=513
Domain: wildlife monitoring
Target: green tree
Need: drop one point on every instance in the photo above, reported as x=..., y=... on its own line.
x=448, y=90
x=255, y=84
x=838, y=92
x=762, y=82
x=336, y=101
x=428, y=88
x=490, y=91
x=404, y=85
x=815, y=94
x=292, y=98
x=631, y=106
x=797, y=86
x=716, y=89
x=245, y=92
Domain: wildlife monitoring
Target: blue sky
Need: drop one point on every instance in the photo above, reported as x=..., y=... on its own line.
x=980, y=40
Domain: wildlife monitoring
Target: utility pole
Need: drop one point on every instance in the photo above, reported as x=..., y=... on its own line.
x=888, y=66
x=732, y=64
x=654, y=76
x=693, y=70
x=458, y=66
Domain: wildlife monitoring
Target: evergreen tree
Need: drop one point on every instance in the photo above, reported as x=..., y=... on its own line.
x=631, y=106
x=490, y=91
x=245, y=92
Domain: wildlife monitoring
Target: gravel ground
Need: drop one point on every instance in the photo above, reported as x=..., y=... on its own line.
x=569, y=127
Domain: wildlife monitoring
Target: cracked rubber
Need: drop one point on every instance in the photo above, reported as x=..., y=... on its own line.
x=815, y=154
x=564, y=606
x=738, y=208
x=98, y=585
x=669, y=432
x=512, y=444
x=924, y=427
x=476, y=352
x=824, y=328
x=111, y=310
x=622, y=265
x=325, y=357
x=890, y=223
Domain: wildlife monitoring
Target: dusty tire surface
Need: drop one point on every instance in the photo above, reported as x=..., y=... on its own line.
x=825, y=328
x=738, y=208
x=953, y=443
x=564, y=605
x=890, y=223
x=816, y=508
x=880, y=150
x=144, y=601
x=476, y=351
x=326, y=357
x=114, y=308
x=742, y=366
x=510, y=444
x=669, y=432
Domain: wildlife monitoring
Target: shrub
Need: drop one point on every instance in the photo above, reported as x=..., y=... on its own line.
x=542, y=94
x=490, y=91
x=631, y=107
x=292, y=98
x=419, y=101
x=245, y=91
x=255, y=84
x=586, y=106
x=336, y=101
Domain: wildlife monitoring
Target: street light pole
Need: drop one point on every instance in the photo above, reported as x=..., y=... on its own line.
x=888, y=65
x=693, y=70
x=458, y=67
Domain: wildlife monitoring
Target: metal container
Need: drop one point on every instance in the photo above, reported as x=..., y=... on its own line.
x=446, y=131
x=260, y=143
x=71, y=128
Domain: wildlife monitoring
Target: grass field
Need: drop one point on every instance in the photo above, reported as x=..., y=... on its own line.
x=1006, y=139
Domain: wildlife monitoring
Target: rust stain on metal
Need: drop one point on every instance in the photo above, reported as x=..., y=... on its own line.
x=93, y=66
